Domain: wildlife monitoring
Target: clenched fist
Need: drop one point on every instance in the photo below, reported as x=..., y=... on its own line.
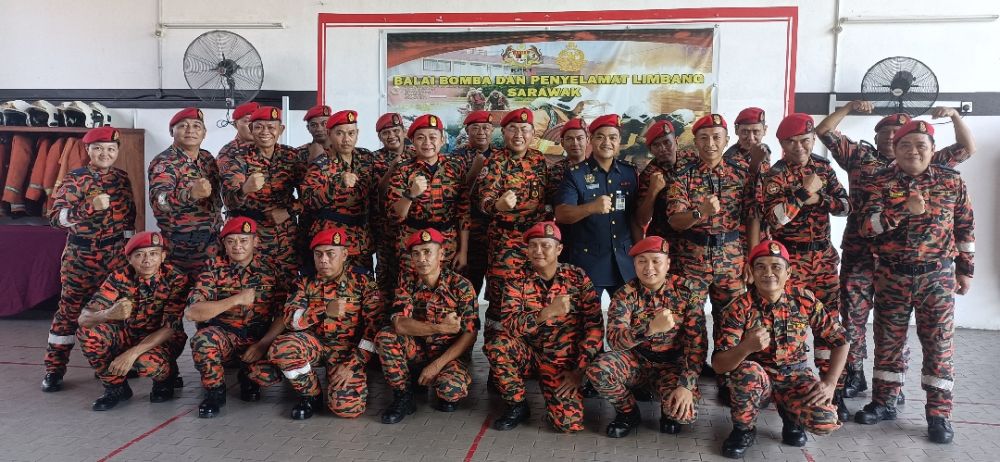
x=201, y=188
x=254, y=183
x=601, y=205
x=662, y=322
x=418, y=184
x=450, y=324
x=915, y=203
x=756, y=339
x=336, y=308
x=246, y=297
x=812, y=183
x=709, y=206
x=507, y=201
x=101, y=202
x=350, y=179
x=121, y=309
x=560, y=306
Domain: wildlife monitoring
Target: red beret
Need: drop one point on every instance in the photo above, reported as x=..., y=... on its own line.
x=143, y=240
x=913, y=126
x=545, y=229
x=266, y=113
x=388, y=120
x=238, y=225
x=794, y=124
x=709, y=121
x=576, y=123
x=424, y=236
x=478, y=117
x=658, y=129
x=244, y=110
x=898, y=120
x=101, y=135
x=317, y=111
x=342, y=118
x=330, y=236
x=768, y=249
x=607, y=120
x=523, y=115
x=655, y=244
x=425, y=121
x=186, y=113
x=750, y=116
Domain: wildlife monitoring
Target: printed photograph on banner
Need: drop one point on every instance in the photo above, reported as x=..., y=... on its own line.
x=644, y=75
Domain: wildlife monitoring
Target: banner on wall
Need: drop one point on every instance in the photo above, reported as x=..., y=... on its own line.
x=642, y=74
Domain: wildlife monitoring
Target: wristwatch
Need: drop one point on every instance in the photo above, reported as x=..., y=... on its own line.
x=696, y=214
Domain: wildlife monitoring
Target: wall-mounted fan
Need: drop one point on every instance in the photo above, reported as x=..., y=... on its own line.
x=221, y=66
x=900, y=84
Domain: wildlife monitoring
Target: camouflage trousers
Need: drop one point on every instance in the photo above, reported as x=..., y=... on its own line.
x=191, y=257
x=716, y=273
x=857, y=297
x=211, y=348
x=81, y=273
x=751, y=383
x=816, y=270
x=512, y=360
x=507, y=261
x=104, y=342
x=614, y=373
x=387, y=268
x=931, y=297
x=296, y=355
x=401, y=352
x=478, y=255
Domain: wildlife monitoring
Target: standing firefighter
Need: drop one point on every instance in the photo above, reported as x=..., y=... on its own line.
x=553, y=325
x=184, y=185
x=433, y=326
x=133, y=323
x=95, y=205
x=656, y=335
x=237, y=305
x=332, y=318
x=762, y=347
x=920, y=216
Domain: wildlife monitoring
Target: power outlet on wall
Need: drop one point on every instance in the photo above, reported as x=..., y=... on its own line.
x=965, y=107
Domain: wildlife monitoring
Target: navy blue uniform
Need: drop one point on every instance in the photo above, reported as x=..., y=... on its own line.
x=599, y=243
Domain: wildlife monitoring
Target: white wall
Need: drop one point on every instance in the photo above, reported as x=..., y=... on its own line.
x=111, y=44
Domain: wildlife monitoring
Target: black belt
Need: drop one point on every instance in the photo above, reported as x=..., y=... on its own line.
x=93, y=243
x=789, y=368
x=254, y=331
x=350, y=220
x=711, y=240
x=660, y=357
x=807, y=246
x=424, y=224
x=512, y=226
x=192, y=237
x=255, y=215
x=916, y=269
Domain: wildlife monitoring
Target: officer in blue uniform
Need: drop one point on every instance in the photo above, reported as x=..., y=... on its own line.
x=597, y=197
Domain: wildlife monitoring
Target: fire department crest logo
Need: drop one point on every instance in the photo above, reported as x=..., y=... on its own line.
x=337, y=239
x=571, y=58
x=115, y=135
x=774, y=248
x=716, y=119
x=155, y=239
x=549, y=231
x=760, y=118
x=903, y=119
x=425, y=236
x=326, y=111
x=921, y=127
x=664, y=247
x=350, y=117
x=524, y=116
x=773, y=188
x=432, y=121
x=201, y=115
x=274, y=114
x=246, y=227
x=395, y=119
x=489, y=118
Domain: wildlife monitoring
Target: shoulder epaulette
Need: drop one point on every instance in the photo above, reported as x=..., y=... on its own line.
x=819, y=158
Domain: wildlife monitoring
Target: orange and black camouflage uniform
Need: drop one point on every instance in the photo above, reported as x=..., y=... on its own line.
x=561, y=344
x=781, y=371
x=94, y=248
x=918, y=259
x=557, y=172
x=189, y=226
x=857, y=267
x=658, y=224
x=314, y=340
x=479, y=222
x=383, y=229
x=528, y=175
x=157, y=303
x=444, y=205
x=401, y=353
x=805, y=231
x=666, y=361
x=712, y=253
x=281, y=173
x=328, y=202
x=225, y=337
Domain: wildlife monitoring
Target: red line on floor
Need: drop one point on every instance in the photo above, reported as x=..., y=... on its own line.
x=809, y=457
x=144, y=435
x=475, y=442
x=16, y=363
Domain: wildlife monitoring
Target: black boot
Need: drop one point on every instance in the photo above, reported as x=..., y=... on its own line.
x=669, y=426
x=513, y=416
x=446, y=406
x=402, y=406
x=52, y=382
x=901, y=399
x=874, y=413
x=162, y=391
x=855, y=382
x=939, y=430
x=724, y=398
x=707, y=371
x=587, y=390
x=792, y=433
x=215, y=398
x=175, y=376
x=112, y=395
x=307, y=406
x=738, y=442
x=249, y=390
x=624, y=423
x=642, y=394
x=842, y=413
